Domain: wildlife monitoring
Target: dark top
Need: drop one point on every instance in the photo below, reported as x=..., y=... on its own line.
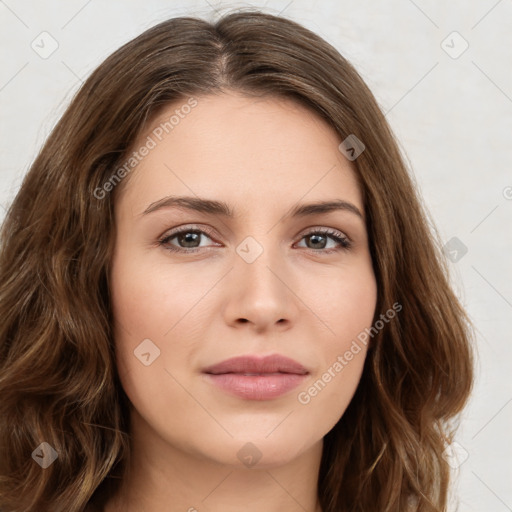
x=92, y=507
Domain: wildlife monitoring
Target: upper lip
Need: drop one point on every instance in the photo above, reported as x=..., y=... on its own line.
x=257, y=365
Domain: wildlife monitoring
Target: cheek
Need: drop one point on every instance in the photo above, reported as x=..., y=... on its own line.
x=149, y=301
x=155, y=309
x=345, y=304
x=343, y=301
x=351, y=312
x=149, y=310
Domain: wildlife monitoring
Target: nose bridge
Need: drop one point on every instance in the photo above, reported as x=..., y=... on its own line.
x=261, y=292
x=258, y=261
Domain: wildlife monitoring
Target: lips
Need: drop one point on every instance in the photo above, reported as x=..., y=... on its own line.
x=254, y=365
x=256, y=378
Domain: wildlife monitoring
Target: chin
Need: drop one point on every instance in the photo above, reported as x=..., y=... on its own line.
x=262, y=451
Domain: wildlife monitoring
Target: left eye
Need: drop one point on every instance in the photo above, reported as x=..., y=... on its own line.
x=320, y=238
x=188, y=239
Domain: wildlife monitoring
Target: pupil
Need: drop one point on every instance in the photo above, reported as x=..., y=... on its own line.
x=188, y=238
x=313, y=237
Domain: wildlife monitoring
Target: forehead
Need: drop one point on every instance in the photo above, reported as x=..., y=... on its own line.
x=249, y=152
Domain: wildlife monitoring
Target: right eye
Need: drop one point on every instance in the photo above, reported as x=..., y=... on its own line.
x=187, y=239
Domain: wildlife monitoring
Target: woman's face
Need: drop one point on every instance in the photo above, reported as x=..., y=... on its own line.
x=193, y=286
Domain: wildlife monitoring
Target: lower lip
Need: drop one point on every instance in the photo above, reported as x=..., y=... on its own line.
x=257, y=387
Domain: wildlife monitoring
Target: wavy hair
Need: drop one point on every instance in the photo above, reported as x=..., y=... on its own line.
x=58, y=379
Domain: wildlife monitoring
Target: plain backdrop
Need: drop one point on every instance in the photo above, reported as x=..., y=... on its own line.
x=441, y=72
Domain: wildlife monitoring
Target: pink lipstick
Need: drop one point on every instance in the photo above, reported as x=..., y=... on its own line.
x=256, y=377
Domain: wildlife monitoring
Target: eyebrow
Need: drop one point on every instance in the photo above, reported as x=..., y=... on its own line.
x=223, y=209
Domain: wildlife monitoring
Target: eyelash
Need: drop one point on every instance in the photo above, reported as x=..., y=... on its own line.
x=343, y=241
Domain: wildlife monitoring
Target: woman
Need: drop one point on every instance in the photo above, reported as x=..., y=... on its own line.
x=220, y=291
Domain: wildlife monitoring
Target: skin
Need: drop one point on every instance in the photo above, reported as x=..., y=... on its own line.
x=262, y=157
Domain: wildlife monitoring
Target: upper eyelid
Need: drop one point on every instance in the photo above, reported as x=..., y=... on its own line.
x=176, y=231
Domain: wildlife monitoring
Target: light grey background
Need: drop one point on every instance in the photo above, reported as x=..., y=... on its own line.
x=450, y=109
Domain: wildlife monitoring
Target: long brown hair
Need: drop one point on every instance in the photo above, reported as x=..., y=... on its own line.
x=58, y=380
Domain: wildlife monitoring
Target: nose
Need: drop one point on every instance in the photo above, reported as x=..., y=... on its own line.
x=260, y=294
